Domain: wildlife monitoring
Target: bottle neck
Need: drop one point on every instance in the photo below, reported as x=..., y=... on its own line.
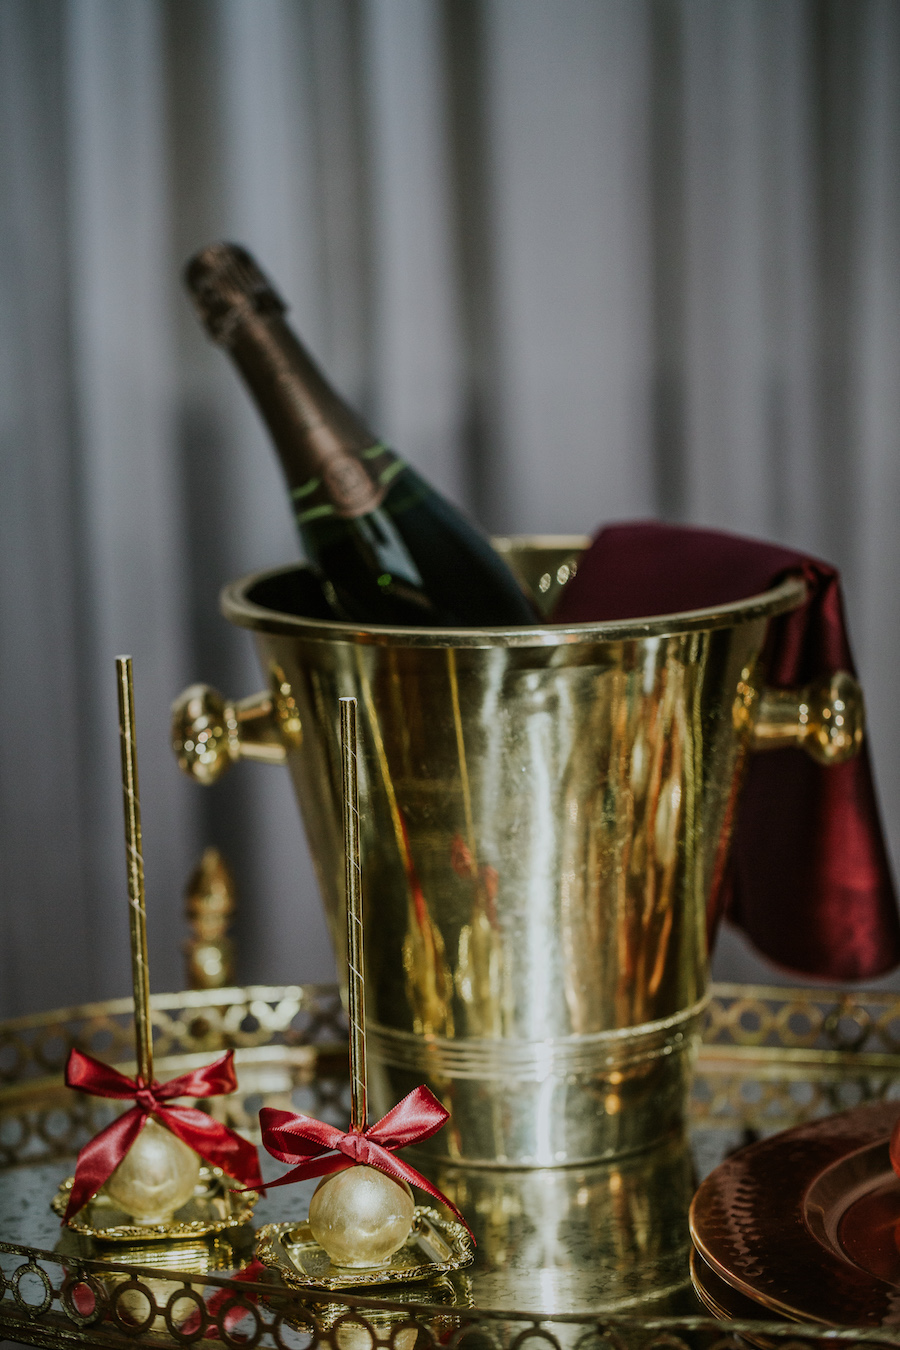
x=318, y=438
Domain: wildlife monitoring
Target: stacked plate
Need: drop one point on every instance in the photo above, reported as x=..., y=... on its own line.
x=804, y=1226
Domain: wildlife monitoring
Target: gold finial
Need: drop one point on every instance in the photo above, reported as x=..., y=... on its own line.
x=209, y=905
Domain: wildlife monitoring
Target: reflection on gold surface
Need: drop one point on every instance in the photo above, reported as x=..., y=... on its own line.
x=365, y=1328
x=423, y=961
x=152, y=1303
x=224, y=1251
x=610, y=1237
x=479, y=975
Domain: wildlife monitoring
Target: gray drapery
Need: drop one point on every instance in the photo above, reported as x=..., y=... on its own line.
x=579, y=259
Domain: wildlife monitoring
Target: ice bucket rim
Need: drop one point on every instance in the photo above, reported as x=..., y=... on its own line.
x=245, y=613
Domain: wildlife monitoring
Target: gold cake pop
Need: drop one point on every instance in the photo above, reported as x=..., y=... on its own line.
x=360, y=1216
x=159, y=1173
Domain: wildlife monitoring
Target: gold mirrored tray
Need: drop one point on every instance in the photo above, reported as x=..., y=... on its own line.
x=435, y=1246
x=217, y=1204
x=559, y=1252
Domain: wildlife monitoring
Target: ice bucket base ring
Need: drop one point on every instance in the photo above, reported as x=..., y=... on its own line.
x=565, y=1102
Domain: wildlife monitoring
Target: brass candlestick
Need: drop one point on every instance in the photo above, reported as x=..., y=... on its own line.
x=210, y=904
x=158, y=1174
x=360, y=1216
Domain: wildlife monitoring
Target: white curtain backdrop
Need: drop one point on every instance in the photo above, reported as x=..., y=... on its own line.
x=580, y=259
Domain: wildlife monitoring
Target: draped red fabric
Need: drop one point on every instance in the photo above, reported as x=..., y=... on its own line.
x=808, y=879
x=320, y=1149
x=213, y=1141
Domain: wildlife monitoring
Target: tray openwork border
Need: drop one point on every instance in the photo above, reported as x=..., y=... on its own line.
x=771, y=1057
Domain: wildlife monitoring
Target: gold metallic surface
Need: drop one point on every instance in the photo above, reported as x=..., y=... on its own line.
x=209, y=734
x=546, y=563
x=354, y=911
x=589, y=1251
x=548, y=812
x=177, y=1301
x=209, y=905
x=608, y=1237
x=435, y=1245
x=228, y=1250
x=841, y=1045
x=827, y=719
x=361, y=1216
x=215, y=1205
x=155, y=1178
x=244, y=602
x=365, y=1327
x=137, y=915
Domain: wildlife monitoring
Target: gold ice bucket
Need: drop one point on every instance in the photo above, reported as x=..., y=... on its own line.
x=546, y=815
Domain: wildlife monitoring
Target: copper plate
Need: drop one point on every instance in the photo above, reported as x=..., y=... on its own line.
x=216, y=1205
x=806, y=1223
x=726, y=1303
x=435, y=1246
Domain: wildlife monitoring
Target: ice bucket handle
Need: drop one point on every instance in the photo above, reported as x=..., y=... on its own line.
x=210, y=732
x=826, y=718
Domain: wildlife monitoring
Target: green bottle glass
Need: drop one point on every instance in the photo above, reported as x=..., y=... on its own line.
x=387, y=547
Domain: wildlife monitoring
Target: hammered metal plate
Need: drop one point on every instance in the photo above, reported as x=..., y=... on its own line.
x=724, y=1302
x=435, y=1246
x=215, y=1206
x=805, y=1223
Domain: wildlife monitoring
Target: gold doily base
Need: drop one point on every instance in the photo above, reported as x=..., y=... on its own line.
x=435, y=1246
x=215, y=1206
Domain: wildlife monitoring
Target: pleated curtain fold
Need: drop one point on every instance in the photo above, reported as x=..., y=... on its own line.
x=580, y=260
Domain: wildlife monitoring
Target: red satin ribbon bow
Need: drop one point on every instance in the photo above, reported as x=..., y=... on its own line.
x=213, y=1141
x=326, y=1149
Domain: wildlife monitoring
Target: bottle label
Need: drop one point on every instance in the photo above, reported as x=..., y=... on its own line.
x=347, y=486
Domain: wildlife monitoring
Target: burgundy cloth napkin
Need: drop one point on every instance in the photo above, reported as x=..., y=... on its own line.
x=808, y=879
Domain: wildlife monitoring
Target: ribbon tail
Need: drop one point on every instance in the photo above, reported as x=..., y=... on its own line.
x=101, y=1156
x=401, y=1171
x=215, y=1142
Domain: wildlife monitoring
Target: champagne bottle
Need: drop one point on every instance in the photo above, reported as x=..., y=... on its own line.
x=386, y=546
